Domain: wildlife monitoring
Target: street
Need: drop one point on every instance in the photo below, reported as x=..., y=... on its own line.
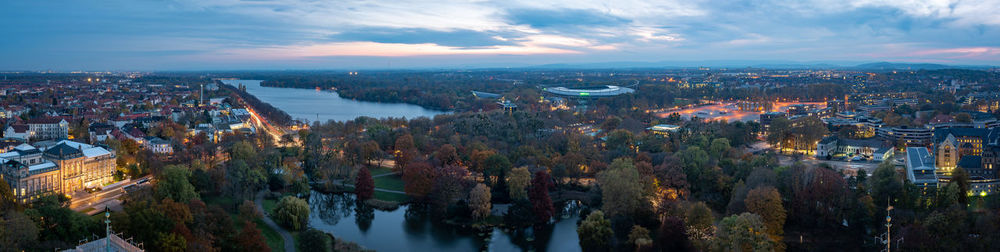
x=92, y=203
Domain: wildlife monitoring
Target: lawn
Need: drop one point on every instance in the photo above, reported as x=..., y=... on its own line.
x=273, y=238
x=268, y=205
x=388, y=196
x=391, y=182
x=380, y=170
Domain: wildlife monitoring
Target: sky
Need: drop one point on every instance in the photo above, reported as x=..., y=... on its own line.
x=144, y=35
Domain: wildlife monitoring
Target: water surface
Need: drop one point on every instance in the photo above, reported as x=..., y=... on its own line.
x=314, y=105
x=406, y=229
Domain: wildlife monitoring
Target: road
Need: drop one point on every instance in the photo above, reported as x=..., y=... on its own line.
x=106, y=197
x=289, y=242
x=867, y=166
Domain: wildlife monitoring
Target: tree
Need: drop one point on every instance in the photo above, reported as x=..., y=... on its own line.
x=541, y=203
x=744, y=232
x=314, y=240
x=595, y=232
x=719, y=147
x=621, y=191
x=418, y=179
x=292, y=212
x=479, y=201
x=248, y=211
x=673, y=235
x=449, y=186
x=17, y=231
x=171, y=242
x=639, y=237
x=243, y=150
x=370, y=152
x=766, y=202
x=405, y=152
x=7, y=199
x=517, y=183
x=961, y=178
x=963, y=118
x=251, y=239
x=364, y=187
x=175, y=184
x=447, y=155
x=699, y=223
x=885, y=183
x=495, y=169
x=620, y=140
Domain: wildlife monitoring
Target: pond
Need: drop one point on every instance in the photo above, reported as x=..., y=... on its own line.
x=406, y=229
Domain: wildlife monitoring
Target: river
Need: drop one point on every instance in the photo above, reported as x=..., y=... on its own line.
x=404, y=229
x=315, y=105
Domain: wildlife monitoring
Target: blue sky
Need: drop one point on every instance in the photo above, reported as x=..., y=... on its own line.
x=71, y=35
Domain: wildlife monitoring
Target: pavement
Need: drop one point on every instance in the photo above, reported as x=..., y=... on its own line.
x=289, y=241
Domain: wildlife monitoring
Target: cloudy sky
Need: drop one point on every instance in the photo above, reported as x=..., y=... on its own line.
x=349, y=34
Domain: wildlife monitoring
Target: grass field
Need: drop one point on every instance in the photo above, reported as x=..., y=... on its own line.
x=268, y=205
x=380, y=170
x=273, y=238
x=388, y=196
x=391, y=182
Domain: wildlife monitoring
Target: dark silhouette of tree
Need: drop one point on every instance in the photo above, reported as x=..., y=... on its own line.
x=250, y=238
x=314, y=240
x=364, y=187
x=541, y=203
x=960, y=177
x=418, y=179
x=673, y=236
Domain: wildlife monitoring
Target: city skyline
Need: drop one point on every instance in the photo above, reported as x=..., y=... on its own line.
x=292, y=34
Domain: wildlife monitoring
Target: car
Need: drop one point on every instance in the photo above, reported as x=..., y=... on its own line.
x=93, y=190
x=142, y=181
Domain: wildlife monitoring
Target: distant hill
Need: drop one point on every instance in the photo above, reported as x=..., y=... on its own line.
x=736, y=64
x=907, y=66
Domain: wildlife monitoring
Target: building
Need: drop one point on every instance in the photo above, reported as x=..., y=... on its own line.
x=876, y=150
x=910, y=136
x=64, y=167
x=18, y=131
x=975, y=150
x=28, y=174
x=47, y=128
x=158, y=145
x=99, y=132
x=951, y=144
x=664, y=129
x=589, y=92
x=767, y=118
x=920, y=169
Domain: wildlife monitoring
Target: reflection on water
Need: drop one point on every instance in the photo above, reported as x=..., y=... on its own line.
x=314, y=105
x=414, y=229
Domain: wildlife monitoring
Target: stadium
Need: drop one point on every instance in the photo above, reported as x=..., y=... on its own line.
x=589, y=92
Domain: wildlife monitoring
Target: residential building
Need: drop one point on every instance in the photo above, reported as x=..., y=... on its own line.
x=158, y=145
x=18, y=131
x=47, y=128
